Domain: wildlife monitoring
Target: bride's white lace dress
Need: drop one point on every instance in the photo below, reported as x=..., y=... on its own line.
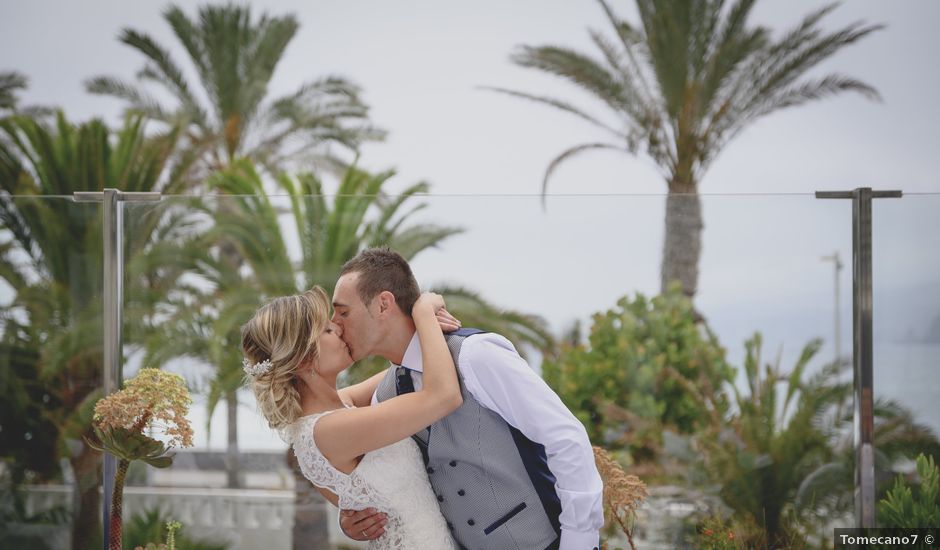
x=391, y=479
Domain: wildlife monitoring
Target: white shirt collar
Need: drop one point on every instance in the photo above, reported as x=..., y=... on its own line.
x=412, y=358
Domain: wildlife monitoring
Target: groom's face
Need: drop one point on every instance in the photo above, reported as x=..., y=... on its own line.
x=360, y=328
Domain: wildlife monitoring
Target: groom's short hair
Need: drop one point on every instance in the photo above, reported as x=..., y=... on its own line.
x=382, y=269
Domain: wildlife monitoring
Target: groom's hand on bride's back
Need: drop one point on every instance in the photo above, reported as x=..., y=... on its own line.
x=362, y=525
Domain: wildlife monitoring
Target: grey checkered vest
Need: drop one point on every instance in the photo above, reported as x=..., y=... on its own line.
x=492, y=483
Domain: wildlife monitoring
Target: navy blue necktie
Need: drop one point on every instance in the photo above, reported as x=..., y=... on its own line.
x=404, y=384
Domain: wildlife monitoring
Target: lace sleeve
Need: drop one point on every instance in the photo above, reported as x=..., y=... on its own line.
x=313, y=464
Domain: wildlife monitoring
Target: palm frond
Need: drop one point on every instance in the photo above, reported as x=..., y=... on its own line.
x=10, y=83
x=567, y=154
x=558, y=104
x=579, y=69
x=164, y=71
x=235, y=55
x=139, y=101
x=692, y=75
x=474, y=311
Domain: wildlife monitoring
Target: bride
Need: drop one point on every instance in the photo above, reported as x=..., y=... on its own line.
x=363, y=455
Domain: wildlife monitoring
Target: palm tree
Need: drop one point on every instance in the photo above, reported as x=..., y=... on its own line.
x=51, y=256
x=227, y=113
x=681, y=86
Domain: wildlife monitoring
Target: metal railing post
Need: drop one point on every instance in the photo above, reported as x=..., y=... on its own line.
x=113, y=290
x=862, y=347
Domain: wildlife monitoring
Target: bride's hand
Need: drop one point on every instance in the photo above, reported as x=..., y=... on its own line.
x=431, y=300
x=448, y=322
x=435, y=302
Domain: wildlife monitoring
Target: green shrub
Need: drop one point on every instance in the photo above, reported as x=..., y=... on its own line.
x=630, y=380
x=912, y=508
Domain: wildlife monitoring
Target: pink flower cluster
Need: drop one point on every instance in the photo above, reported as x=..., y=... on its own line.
x=153, y=400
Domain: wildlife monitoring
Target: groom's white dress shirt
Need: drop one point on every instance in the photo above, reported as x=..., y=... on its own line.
x=502, y=381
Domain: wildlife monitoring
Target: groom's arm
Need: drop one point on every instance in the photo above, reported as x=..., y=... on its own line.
x=361, y=525
x=502, y=381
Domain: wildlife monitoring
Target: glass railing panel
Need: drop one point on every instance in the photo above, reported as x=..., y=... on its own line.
x=575, y=283
x=906, y=326
x=51, y=341
x=584, y=275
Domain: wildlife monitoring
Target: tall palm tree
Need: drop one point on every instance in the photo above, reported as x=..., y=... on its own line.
x=227, y=112
x=684, y=83
x=51, y=256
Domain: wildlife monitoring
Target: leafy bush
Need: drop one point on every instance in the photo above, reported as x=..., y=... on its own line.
x=908, y=508
x=784, y=457
x=716, y=534
x=629, y=381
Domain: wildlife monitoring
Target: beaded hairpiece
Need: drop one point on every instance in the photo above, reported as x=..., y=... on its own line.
x=256, y=369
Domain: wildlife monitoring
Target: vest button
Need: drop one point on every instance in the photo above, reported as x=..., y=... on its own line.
x=430, y=470
x=453, y=462
x=471, y=522
x=440, y=498
x=461, y=492
x=450, y=526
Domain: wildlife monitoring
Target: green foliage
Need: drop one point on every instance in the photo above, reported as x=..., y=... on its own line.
x=51, y=257
x=762, y=452
x=716, y=534
x=234, y=54
x=522, y=329
x=783, y=457
x=151, y=526
x=10, y=83
x=29, y=438
x=132, y=445
x=681, y=84
x=691, y=76
x=912, y=508
x=778, y=452
x=631, y=380
x=206, y=323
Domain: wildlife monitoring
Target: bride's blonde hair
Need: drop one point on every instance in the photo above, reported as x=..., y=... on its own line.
x=285, y=331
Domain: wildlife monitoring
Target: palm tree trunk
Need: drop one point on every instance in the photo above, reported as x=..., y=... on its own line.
x=311, y=527
x=232, y=466
x=682, y=244
x=86, y=510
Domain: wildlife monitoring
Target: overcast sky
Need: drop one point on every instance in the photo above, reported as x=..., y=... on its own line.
x=421, y=64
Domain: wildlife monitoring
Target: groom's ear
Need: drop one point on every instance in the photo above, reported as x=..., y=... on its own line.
x=386, y=300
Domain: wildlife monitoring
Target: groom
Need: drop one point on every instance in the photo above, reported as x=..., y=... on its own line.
x=512, y=467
